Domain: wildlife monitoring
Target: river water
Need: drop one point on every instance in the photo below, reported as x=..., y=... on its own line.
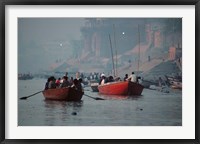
x=152, y=108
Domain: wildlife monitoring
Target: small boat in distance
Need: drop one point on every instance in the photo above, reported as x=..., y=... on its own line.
x=121, y=88
x=63, y=94
x=25, y=76
x=176, y=85
x=94, y=86
x=175, y=82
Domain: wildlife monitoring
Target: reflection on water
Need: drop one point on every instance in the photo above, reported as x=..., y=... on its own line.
x=121, y=97
x=136, y=97
x=63, y=110
x=62, y=104
x=114, y=97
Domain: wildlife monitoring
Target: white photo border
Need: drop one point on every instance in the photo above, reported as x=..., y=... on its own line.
x=186, y=131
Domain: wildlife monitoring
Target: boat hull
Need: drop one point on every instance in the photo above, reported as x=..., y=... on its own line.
x=121, y=88
x=135, y=88
x=63, y=94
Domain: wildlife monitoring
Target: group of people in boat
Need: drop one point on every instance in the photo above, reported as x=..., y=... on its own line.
x=104, y=79
x=132, y=77
x=53, y=83
x=77, y=83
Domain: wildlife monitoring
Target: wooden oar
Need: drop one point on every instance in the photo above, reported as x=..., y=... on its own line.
x=24, y=98
x=96, y=98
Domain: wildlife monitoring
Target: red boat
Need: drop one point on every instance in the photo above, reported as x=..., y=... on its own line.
x=121, y=88
x=67, y=94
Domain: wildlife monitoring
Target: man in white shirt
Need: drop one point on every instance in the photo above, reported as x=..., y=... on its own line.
x=103, y=80
x=132, y=77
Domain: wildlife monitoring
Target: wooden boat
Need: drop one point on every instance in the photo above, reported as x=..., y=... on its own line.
x=25, y=77
x=94, y=86
x=175, y=82
x=121, y=88
x=176, y=85
x=67, y=94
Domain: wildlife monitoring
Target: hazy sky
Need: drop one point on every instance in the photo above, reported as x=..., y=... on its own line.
x=41, y=40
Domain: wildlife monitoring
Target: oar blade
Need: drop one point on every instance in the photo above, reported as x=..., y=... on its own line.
x=95, y=98
x=23, y=98
x=99, y=98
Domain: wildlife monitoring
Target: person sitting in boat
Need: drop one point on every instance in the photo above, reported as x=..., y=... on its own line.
x=103, y=81
x=47, y=84
x=126, y=77
x=102, y=76
x=117, y=79
x=61, y=81
x=132, y=77
x=65, y=82
x=52, y=83
x=76, y=85
x=71, y=81
x=81, y=82
x=110, y=79
x=58, y=82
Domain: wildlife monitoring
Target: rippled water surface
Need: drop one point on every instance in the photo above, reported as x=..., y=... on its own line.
x=153, y=108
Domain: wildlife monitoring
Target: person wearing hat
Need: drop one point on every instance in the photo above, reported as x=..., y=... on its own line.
x=102, y=75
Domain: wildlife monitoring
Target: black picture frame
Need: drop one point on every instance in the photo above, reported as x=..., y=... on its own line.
x=4, y=3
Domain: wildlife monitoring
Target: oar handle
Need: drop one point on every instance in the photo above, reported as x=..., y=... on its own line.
x=88, y=95
x=35, y=93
